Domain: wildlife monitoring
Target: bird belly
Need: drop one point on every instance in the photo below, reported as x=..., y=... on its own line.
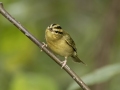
x=60, y=47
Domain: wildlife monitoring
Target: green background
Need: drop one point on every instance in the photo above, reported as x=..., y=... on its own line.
x=94, y=25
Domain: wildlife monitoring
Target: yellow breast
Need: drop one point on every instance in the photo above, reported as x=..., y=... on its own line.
x=60, y=47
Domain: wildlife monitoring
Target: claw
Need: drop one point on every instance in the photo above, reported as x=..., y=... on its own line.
x=64, y=62
x=44, y=45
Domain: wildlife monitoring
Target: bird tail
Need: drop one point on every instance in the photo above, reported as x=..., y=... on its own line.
x=76, y=59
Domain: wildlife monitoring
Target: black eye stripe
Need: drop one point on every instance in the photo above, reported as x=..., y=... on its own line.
x=58, y=32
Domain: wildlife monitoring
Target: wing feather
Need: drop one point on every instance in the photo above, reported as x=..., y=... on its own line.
x=70, y=41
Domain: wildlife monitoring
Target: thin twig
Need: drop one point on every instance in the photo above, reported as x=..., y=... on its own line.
x=39, y=44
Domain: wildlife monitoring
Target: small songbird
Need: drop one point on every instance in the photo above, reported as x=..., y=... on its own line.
x=61, y=43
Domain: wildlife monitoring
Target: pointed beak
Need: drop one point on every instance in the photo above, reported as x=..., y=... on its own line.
x=49, y=28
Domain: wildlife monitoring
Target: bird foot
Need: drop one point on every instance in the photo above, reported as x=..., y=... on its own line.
x=63, y=63
x=44, y=45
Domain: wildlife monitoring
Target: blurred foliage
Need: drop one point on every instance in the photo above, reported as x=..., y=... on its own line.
x=95, y=27
x=99, y=75
x=32, y=81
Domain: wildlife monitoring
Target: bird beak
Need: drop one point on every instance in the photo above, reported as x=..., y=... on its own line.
x=50, y=29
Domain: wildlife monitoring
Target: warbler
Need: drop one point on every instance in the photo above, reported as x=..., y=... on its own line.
x=61, y=43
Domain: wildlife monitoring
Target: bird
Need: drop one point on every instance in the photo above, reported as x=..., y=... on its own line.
x=61, y=43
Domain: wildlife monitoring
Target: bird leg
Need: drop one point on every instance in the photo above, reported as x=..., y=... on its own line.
x=44, y=45
x=64, y=62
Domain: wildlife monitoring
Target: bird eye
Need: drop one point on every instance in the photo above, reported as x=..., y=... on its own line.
x=58, y=32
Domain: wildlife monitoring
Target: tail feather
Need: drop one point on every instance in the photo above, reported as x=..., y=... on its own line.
x=76, y=59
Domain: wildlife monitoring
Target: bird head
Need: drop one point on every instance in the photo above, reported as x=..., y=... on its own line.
x=54, y=31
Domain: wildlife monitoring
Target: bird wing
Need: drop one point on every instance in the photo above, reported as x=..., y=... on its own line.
x=70, y=41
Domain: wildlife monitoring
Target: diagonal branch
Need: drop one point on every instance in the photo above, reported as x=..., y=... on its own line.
x=39, y=44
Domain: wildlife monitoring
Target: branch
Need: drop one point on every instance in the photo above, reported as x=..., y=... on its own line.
x=39, y=44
